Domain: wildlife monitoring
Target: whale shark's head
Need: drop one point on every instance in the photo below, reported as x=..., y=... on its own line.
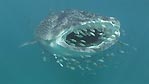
x=74, y=33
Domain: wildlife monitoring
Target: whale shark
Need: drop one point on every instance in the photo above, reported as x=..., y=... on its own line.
x=78, y=39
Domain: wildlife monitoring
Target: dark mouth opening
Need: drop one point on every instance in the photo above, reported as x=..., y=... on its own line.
x=85, y=37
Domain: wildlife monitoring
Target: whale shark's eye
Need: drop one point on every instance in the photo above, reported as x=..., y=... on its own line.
x=78, y=39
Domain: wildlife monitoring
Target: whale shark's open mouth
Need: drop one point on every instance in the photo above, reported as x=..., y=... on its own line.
x=85, y=37
x=91, y=36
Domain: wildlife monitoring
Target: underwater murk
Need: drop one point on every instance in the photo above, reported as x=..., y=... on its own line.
x=78, y=39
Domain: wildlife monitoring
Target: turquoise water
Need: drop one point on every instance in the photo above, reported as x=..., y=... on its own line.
x=19, y=18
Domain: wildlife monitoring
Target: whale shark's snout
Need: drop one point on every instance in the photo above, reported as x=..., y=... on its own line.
x=74, y=33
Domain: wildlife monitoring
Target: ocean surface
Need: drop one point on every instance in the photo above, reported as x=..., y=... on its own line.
x=19, y=19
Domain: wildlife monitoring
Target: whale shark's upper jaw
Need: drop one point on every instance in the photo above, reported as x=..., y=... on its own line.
x=78, y=31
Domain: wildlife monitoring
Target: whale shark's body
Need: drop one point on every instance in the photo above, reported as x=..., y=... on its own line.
x=77, y=38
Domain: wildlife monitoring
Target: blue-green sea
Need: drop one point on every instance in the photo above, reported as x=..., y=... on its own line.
x=19, y=19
